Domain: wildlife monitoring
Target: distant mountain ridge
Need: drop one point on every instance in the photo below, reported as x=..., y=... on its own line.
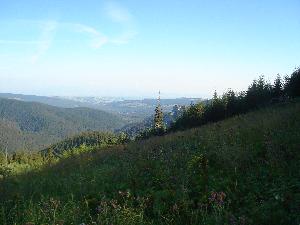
x=53, y=101
x=129, y=109
x=31, y=125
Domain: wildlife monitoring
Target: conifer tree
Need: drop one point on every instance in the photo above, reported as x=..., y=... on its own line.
x=292, y=85
x=215, y=97
x=158, y=117
x=277, y=87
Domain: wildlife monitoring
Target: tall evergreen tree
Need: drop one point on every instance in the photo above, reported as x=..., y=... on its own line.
x=158, y=117
x=277, y=89
x=230, y=100
x=292, y=84
x=215, y=97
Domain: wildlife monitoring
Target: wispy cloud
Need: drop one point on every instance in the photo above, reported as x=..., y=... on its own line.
x=118, y=13
x=45, y=41
x=112, y=10
x=122, y=16
x=97, y=38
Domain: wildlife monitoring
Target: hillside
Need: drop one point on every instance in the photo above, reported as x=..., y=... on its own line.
x=89, y=139
x=243, y=170
x=29, y=125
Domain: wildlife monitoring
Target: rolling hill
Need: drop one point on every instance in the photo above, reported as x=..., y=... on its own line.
x=243, y=170
x=29, y=125
x=130, y=110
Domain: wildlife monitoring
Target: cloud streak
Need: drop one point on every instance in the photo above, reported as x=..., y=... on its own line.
x=113, y=11
x=46, y=39
x=97, y=39
x=122, y=16
x=118, y=13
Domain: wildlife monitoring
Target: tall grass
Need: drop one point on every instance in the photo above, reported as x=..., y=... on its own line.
x=244, y=170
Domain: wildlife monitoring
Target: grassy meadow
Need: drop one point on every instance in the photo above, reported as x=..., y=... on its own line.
x=243, y=170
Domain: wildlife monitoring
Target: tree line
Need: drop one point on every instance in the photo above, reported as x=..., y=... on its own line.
x=83, y=142
x=91, y=139
x=259, y=94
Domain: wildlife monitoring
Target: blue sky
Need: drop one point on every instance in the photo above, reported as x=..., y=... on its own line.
x=134, y=48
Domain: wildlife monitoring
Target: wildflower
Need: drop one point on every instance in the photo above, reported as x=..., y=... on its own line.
x=217, y=198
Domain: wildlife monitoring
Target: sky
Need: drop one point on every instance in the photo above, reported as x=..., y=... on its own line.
x=185, y=48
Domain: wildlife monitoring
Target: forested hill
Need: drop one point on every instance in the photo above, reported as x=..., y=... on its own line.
x=28, y=125
x=91, y=139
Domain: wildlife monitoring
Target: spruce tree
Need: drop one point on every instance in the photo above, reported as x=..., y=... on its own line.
x=277, y=87
x=158, y=117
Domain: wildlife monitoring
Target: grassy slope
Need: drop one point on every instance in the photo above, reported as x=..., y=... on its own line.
x=38, y=125
x=254, y=159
